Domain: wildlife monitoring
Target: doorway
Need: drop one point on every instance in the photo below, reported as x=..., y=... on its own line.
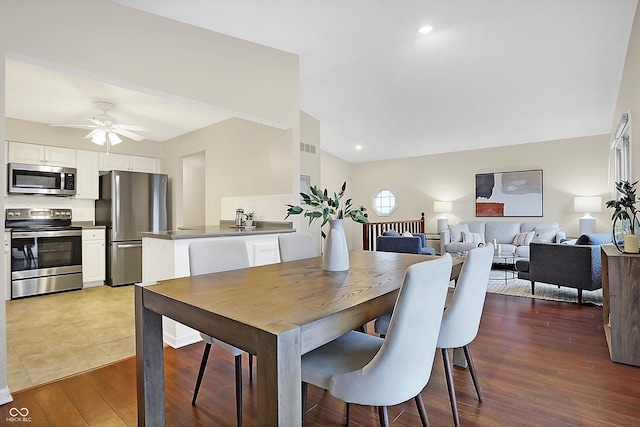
x=193, y=190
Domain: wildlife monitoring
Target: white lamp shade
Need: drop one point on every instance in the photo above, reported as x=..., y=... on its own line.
x=442, y=207
x=587, y=204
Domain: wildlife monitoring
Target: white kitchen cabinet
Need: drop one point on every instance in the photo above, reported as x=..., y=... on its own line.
x=93, y=257
x=35, y=154
x=88, y=169
x=124, y=162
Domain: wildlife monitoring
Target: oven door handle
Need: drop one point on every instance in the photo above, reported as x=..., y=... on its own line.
x=57, y=233
x=129, y=245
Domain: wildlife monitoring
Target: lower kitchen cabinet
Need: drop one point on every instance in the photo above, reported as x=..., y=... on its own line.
x=93, y=257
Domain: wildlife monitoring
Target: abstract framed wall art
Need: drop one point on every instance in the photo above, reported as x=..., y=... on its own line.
x=516, y=193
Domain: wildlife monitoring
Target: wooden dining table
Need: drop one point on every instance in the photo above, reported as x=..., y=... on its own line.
x=277, y=312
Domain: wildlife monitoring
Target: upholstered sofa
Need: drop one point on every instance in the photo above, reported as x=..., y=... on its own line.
x=576, y=265
x=513, y=237
x=392, y=241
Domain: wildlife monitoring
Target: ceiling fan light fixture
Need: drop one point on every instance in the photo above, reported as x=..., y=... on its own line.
x=114, y=139
x=99, y=137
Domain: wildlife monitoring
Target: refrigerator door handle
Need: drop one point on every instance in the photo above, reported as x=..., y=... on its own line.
x=128, y=245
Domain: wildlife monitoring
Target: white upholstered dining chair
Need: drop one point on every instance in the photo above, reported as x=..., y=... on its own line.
x=214, y=256
x=294, y=246
x=364, y=369
x=461, y=319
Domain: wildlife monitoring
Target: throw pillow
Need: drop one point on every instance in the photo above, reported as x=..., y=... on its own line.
x=407, y=234
x=391, y=233
x=468, y=237
x=545, y=234
x=600, y=238
x=523, y=239
x=456, y=232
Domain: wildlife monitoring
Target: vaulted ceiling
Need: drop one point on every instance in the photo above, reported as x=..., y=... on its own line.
x=490, y=73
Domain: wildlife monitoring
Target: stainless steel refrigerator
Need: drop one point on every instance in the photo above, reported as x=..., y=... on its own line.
x=130, y=203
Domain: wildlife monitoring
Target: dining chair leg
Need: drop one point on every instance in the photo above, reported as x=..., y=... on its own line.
x=384, y=416
x=421, y=410
x=250, y=367
x=203, y=365
x=452, y=391
x=472, y=369
x=238, y=360
x=348, y=414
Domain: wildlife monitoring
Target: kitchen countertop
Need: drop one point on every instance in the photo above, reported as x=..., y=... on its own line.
x=86, y=224
x=225, y=229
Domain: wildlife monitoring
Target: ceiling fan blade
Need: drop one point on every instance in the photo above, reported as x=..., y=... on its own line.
x=129, y=135
x=94, y=121
x=77, y=126
x=137, y=128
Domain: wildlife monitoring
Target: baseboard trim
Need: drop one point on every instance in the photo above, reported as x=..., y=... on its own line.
x=177, y=342
x=5, y=396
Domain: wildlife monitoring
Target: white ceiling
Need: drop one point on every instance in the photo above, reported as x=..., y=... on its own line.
x=492, y=73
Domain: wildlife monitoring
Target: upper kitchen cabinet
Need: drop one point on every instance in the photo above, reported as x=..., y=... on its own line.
x=88, y=163
x=34, y=154
x=123, y=162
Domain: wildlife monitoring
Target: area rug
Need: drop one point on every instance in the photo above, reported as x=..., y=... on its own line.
x=522, y=288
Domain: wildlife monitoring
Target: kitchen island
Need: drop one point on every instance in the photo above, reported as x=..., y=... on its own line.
x=165, y=255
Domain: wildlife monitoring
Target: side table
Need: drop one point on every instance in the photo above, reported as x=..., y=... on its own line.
x=432, y=240
x=508, y=260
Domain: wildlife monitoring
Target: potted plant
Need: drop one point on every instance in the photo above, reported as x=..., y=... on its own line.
x=625, y=212
x=321, y=204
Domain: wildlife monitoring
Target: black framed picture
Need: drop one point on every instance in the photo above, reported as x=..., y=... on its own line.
x=506, y=194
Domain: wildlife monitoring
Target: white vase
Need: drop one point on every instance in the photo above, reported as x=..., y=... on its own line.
x=336, y=251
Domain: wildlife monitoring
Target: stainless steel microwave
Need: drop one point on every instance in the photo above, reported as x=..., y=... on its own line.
x=44, y=180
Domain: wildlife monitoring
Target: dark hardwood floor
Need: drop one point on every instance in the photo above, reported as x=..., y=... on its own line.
x=540, y=363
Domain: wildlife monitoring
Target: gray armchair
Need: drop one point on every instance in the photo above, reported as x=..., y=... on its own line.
x=575, y=266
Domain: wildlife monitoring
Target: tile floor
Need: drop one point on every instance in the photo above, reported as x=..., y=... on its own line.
x=53, y=336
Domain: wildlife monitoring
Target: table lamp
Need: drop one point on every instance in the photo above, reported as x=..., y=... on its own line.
x=587, y=205
x=442, y=207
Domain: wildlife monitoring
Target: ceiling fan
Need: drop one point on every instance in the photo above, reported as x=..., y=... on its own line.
x=106, y=130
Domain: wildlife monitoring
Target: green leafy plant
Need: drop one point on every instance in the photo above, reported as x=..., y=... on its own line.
x=624, y=208
x=322, y=205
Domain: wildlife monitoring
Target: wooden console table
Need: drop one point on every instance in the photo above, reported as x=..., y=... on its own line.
x=621, y=304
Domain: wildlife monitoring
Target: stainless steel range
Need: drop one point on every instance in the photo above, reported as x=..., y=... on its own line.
x=46, y=251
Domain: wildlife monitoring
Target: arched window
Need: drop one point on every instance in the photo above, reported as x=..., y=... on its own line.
x=384, y=202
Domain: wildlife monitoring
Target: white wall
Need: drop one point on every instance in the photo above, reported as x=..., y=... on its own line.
x=571, y=167
x=241, y=159
x=629, y=94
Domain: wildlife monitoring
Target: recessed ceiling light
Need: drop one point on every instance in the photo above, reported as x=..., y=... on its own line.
x=425, y=29
x=358, y=147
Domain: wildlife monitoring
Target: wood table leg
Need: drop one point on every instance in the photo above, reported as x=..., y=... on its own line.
x=279, y=379
x=149, y=364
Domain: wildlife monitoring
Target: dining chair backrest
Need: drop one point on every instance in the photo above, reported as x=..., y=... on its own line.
x=212, y=256
x=402, y=366
x=295, y=246
x=461, y=319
